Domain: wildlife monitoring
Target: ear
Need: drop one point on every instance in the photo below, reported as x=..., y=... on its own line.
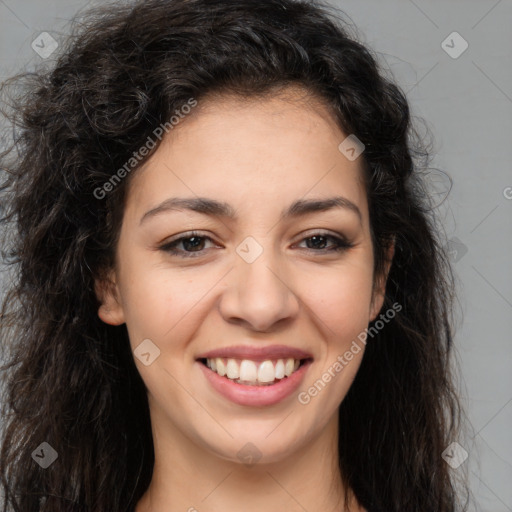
x=107, y=293
x=379, y=290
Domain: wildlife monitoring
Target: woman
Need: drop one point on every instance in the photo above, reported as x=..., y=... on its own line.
x=230, y=292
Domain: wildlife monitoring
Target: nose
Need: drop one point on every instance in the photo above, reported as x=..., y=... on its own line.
x=259, y=294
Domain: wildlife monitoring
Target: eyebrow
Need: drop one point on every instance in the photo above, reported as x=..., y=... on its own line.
x=216, y=208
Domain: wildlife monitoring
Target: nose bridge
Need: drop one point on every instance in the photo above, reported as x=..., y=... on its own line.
x=259, y=293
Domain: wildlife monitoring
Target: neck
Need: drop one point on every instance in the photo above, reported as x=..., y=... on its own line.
x=188, y=477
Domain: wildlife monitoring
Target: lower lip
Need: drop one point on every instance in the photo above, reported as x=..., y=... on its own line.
x=256, y=396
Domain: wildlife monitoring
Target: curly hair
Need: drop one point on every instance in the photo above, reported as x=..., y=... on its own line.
x=70, y=379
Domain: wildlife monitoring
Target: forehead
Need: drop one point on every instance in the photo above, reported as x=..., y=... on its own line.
x=252, y=153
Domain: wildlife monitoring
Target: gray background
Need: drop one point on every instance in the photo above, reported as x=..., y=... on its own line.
x=467, y=103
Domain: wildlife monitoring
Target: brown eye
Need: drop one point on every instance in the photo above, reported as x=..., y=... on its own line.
x=191, y=243
x=319, y=243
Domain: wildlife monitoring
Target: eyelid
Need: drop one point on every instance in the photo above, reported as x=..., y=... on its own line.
x=321, y=232
x=185, y=235
x=342, y=243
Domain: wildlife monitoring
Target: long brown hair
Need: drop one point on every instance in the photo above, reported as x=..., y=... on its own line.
x=70, y=379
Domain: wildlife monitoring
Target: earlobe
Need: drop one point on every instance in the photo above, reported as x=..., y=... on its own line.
x=377, y=302
x=379, y=293
x=111, y=316
x=110, y=310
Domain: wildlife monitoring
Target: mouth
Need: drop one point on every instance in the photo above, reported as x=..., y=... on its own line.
x=249, y=372
x=254, y=383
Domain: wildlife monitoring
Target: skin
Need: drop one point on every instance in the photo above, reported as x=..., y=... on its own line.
x=259, y=156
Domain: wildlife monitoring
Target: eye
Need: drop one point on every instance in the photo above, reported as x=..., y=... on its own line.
x=192, y=243
x=317, y=243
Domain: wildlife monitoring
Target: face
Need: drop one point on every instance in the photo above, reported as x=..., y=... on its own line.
x=248, y=278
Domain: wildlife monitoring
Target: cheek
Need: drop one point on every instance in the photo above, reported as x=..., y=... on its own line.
x=153, y=300
x=341, y=300
x=164, y=305
x=342, y=305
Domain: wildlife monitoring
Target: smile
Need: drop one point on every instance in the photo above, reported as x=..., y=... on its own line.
x=253, y=373
x=252, y=392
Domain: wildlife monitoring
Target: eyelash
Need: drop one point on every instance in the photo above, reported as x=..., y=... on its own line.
x=341, y=244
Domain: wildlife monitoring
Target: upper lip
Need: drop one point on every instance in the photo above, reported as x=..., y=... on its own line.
x=257, y=353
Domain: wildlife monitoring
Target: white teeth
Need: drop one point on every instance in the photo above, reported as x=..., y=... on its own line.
x=266, y=372
x=288, y=368
x=232, y=369
x=280, y=369
x=221, y=367
x=251, y=372
x=248, y=371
